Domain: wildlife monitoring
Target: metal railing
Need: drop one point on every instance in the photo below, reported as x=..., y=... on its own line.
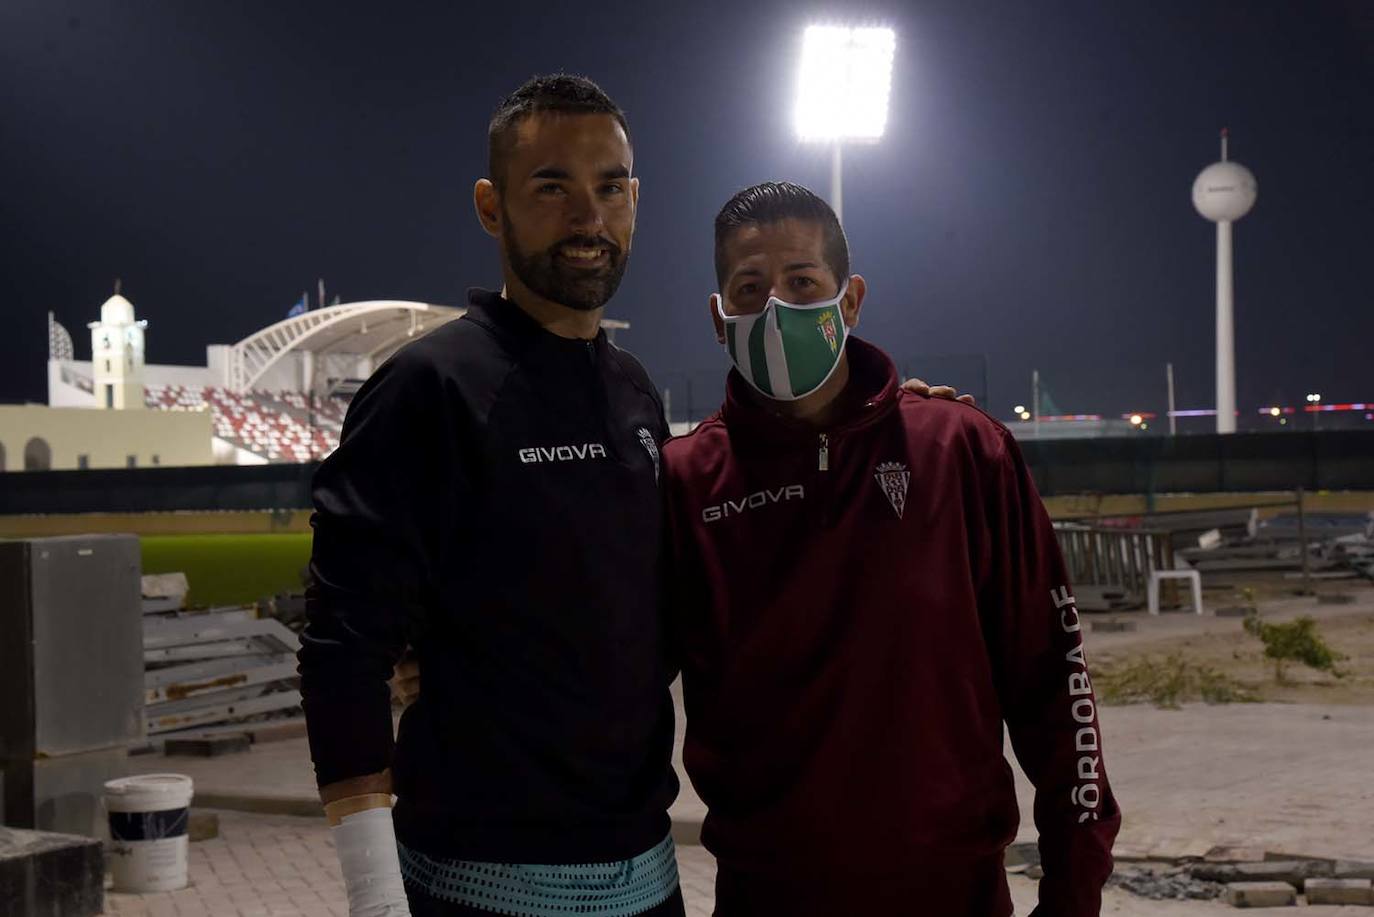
x=1114, y=557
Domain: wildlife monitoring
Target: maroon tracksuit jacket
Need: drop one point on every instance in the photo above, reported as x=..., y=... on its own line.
x=859, y=610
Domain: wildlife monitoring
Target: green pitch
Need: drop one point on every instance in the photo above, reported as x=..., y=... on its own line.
x=230, y=569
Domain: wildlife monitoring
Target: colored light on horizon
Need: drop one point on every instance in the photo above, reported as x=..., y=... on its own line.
x=1355, y=406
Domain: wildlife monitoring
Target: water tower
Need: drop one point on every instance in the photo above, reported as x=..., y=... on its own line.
x=1223, y=193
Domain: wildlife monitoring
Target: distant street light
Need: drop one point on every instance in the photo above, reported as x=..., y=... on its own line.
x=842, y=93
x=1019, y=409
x=1314, y=399
x=1137, y=420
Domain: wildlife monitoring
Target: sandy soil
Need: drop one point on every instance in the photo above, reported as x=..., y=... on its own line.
x=1222, y=644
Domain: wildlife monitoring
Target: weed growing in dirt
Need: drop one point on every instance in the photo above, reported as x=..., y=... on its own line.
x=1293, y=641
x=1168, y=682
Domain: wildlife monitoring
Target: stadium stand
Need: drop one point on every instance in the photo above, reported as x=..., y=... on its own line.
x=277, y=426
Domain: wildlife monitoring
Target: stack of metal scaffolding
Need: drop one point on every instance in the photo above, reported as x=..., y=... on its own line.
x=214, y=671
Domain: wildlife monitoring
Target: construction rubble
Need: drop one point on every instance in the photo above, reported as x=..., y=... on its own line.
x=215, y=671
x=1112, y=559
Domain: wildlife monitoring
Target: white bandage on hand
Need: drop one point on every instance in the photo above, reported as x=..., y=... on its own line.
x=366, y=844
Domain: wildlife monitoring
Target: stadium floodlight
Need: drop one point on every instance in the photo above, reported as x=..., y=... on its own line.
x=842, y=92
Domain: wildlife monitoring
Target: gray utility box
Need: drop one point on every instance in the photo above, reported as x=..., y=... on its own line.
x=71, y=675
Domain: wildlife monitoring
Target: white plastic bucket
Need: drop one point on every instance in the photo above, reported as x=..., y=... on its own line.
x=149, y=816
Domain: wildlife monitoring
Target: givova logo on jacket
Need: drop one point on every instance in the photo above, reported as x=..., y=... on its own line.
x=536, y=454
x=756, y=500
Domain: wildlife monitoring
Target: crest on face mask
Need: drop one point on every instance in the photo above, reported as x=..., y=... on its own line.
x=825, y=323
x=893, y=478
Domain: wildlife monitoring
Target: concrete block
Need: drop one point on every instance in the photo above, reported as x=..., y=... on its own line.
x=1335, y=598
x=45, y=873
x=1174, y=851
x=1228, y=854
x=166, y=586
x=1293, y=872
x=1112, y=627
x=1261, y=894
x=209, y=747
x=1353, y=869
x=1339, y=891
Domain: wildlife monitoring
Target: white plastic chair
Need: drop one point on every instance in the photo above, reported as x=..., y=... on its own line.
x=1194, y=580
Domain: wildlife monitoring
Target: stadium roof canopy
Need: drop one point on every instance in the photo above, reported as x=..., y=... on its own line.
x=374, y=329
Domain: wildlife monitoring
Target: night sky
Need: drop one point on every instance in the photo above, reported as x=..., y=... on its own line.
x=1029, y=205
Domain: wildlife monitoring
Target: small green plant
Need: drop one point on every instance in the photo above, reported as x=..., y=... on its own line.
x=1168, y=682
x=1293, y=641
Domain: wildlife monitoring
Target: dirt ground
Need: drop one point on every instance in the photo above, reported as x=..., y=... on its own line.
x=1223, y=645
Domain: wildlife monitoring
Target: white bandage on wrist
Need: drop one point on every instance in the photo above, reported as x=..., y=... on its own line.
x=366, y=844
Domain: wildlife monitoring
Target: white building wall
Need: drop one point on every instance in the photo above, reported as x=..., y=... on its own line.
x=63, y=391
x=285, y=375
x=217, y=362
x=190, y=376
x=106, y=438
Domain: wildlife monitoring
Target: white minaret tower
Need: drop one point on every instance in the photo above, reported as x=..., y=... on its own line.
x=117, y=356
x=1223, y=193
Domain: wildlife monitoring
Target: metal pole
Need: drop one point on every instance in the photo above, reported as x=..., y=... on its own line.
x=1226, y=333
x=1173, y=421
x=836, y=183
x=1302, y=546
x=1035, y=400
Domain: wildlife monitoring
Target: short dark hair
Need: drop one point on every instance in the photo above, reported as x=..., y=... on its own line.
x=560, y=92
x=772, y=201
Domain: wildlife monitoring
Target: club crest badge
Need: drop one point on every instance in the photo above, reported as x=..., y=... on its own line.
x=893, y=478
x=646, y=439
x=825, y=324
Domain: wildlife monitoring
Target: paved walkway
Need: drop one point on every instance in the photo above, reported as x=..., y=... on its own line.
x=1292, y=778
x=284, y=866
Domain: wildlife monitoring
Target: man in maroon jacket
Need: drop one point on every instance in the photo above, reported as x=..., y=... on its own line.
x=867, y=587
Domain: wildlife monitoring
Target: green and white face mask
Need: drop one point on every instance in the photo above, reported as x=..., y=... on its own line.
x=786, y=351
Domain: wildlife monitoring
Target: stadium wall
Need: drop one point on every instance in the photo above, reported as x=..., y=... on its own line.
x=1130, y=474
x=107, y=439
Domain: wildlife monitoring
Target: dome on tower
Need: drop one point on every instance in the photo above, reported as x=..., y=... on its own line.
x=1224, y=191
x=117, y=311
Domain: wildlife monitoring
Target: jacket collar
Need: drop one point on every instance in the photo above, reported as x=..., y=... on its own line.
x=872, y=392
x=493, y=310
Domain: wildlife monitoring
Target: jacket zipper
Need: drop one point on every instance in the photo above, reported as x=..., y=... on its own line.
x=823, y=457
x=599, y=398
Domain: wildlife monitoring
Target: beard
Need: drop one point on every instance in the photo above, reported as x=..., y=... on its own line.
x=549, y=276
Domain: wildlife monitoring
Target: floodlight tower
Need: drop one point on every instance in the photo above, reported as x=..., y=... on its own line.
x=1223, y=193
x=846, y=76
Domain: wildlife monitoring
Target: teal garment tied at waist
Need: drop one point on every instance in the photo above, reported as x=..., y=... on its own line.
x=618, y=889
